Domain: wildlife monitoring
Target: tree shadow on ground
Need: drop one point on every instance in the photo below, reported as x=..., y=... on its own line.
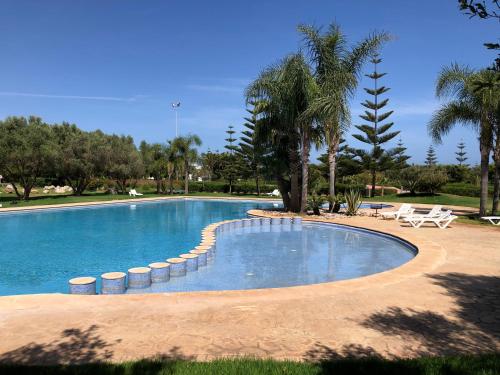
x=74, y=346
x=472, y=327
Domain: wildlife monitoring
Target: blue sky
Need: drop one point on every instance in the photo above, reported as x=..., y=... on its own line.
x=116, y=65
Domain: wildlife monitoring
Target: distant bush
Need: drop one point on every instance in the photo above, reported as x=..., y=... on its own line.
x=243, y=187
x=423, y=179
x=431, y=179
x=324, y=188
x=464, y=189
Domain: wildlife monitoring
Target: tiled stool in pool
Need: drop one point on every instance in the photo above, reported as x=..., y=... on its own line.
x=177, y=267
x=113, y=283
x=139, y=277
x=82, y=285
x=191, y=261
x=202, y=257
x=209, y=249
x=160, y=272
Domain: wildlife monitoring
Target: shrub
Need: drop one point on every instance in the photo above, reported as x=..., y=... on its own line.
x=353, y=202
x=464, y=189
x=340, y=188
x=314, y=203
x=431, y=179
x=422, y=179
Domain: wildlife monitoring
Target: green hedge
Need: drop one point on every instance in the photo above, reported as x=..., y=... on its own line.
x=223, y=187
x=464, y=189
x=324, y=188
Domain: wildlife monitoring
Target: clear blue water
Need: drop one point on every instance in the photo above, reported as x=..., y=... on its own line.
x=41, y=250
x=281, y=256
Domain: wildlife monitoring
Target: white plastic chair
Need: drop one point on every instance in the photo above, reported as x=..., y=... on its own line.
x=404, y=210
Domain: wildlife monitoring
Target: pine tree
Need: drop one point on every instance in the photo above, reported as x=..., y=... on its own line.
x=461, y=154
x=400, y=158
x=250, y=148
x=431, y=158
x=231, y=160
x=375, y=133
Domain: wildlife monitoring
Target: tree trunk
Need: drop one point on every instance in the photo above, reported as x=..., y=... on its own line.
x=26, y=193
x=294, y=181
x=186, y=177
x=18, y=194
x=374, y=182
x=333, y=148
x=257, y=184
x=483, y=199
x=158, y=186
x=496, y=188
x=171, y=184
x=282, y=187
x=306, y=146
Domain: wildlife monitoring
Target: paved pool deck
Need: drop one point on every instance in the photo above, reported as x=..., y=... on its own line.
x=445, y=301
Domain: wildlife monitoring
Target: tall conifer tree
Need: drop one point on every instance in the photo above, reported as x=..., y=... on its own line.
x=376, y=133
x=400, y=157
x=431, y=158
x=461, y=154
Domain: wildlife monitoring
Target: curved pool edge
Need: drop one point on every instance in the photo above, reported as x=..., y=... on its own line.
x=428, y=256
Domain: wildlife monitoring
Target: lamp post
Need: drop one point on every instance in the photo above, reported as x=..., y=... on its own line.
x=175, y=106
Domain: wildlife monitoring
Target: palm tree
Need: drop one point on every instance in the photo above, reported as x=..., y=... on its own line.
x=336, y=70
x=468, y=106
x=185, y=148
x=284, y=92
x=172, y=162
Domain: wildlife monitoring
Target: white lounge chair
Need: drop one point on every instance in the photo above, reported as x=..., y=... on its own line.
x=404, y=210
x=134, y=193
x=495, y=220
x=434, y=212
x=442, y=221
x=274, y=193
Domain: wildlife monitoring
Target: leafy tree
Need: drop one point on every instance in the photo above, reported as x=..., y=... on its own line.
x=155, y=162
x=212, y=164
x=336, y=69
x=27, y=152
x=80, y=155
x=471, y=106
x=124, y=161
x=431, y=158
x=409, y=178
x=461, y=154
x=283, y=93
x=375, y=133
x=185, y=148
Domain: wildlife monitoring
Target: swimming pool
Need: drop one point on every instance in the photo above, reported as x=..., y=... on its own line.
x=289, y=255
x=41, y=250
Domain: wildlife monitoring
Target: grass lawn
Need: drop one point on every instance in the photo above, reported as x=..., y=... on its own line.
x=9, y=200
x=488, y=364
x=444, y=199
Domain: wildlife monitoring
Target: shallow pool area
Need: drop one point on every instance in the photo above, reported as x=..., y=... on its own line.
x=40, y=250
x=284, y=255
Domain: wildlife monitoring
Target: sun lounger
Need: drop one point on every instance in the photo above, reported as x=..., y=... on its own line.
x=404, y=210
x=434, y=212
x=495, y=220
x=442, y=221
x=274, y=193
x=134, y=193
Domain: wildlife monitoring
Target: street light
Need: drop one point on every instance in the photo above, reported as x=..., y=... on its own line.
x=174, y=107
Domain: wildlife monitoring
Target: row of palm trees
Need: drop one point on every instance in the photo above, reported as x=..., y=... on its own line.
x=473, y=100
x=174, y=157
x=303, y=101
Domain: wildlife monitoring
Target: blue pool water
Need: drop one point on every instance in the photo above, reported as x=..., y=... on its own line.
x=281, y=256
x=40, y=251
